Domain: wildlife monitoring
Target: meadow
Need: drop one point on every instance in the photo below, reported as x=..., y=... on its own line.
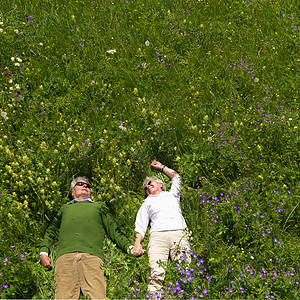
x=101, y=88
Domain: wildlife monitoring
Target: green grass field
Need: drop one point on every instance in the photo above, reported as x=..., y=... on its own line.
x=101, y=88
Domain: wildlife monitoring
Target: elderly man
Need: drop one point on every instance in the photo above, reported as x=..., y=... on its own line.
x=162, y=210
x=80, y=227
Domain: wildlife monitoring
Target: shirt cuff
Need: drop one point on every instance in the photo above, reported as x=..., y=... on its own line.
x=129, y=248
x=43, y=253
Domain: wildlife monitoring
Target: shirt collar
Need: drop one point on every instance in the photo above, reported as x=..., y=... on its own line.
x=85, y=200
x=153, y=196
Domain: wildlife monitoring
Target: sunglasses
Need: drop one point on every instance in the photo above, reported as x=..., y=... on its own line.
x=80, y=183
x=148, y=183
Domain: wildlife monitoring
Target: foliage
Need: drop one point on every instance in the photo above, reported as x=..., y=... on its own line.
x=209, y=88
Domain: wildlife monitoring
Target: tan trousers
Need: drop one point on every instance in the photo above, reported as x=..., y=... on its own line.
x=162, y=245
x=79, y=271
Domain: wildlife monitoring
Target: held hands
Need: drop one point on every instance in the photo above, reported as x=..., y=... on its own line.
x=137, y=250
x=46, y=261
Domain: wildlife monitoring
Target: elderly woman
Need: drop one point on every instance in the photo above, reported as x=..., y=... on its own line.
x=162, y=209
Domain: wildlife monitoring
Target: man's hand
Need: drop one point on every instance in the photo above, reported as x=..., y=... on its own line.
x=156, y=165
x=138, y=250
x=46, y=261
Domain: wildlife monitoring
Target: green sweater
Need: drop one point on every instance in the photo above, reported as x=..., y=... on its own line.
x=80, y=227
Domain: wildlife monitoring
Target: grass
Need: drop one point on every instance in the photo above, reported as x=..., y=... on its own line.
x=210, y=88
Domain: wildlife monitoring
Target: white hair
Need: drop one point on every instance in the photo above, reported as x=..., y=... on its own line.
x=75, y=180
x=154, y=179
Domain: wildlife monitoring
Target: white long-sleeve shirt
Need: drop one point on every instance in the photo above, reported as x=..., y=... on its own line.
x=162, y=211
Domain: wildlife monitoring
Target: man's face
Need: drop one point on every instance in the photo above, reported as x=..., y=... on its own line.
x=153, y=188
x=82, y=190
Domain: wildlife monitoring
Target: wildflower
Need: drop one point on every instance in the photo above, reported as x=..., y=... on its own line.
x=4, y=115
x=112, y=51
x=5, y=260
x=147, y=43
x=123, y=128
x=256, y=79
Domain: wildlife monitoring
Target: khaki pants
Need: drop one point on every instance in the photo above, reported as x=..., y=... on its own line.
x=162, y=245
x=79, y=271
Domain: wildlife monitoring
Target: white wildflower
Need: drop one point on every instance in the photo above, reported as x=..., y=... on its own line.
x=144, y=65
x=112, y=51
x=147, y=43
x=256, y=79
x=4, y=115
x=123, y=128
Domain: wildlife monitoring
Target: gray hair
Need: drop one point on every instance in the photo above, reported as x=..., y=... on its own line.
x=75, y=180
x=154, y=179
